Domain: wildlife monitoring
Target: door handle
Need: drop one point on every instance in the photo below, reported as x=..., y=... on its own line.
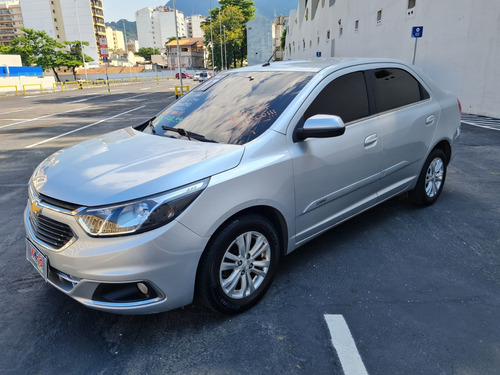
x=371, y=140
x=430, y=120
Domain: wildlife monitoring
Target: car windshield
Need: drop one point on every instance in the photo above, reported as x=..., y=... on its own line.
x=232, y=108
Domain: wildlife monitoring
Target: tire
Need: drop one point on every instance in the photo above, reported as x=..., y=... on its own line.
x=431, y=179
x=238, y=265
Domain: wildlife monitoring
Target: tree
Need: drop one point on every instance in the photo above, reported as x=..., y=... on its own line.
x=72, y=58
x=234, y=18
x=146, y=52
x=283, y=39
x=36, y=47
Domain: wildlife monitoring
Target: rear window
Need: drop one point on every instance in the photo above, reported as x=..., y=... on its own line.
x=396, y=88
x=232, y=108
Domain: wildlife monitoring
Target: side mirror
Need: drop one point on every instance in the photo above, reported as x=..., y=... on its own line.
x=321, y=126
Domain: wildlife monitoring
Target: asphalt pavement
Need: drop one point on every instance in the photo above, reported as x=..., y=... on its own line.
x=417, y=287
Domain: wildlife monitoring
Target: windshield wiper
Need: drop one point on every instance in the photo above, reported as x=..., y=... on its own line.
x=188, y=134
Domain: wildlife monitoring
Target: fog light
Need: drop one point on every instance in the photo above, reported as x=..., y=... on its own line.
x=143, y=288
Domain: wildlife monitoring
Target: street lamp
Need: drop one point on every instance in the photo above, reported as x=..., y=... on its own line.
x=221, y=56
x=178, y=49
x=126, y=49
x=81, y=42
x=225, y=49
x=211, y=38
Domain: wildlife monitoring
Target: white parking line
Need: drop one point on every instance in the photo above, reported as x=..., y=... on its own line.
x=84, y=127
x=17, y=110
x=480, y=126
x=41, y=117
x=344, y=345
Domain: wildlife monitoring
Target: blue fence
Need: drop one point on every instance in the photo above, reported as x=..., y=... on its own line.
x=19, y=71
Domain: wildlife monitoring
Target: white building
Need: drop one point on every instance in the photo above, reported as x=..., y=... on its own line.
x=259, y=40
x=156, y=26
x=11, y=21
x=67, y=20
x=193, y=26
x=116, y=41
x=459, y=48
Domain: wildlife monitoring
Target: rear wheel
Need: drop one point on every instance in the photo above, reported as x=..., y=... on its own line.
x=238, y=265
x=431, y=179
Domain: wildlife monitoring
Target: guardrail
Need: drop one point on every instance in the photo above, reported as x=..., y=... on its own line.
x=98, y=83
x=55, y=84
x=179, y=91
x=17, y=91
x=32, y=84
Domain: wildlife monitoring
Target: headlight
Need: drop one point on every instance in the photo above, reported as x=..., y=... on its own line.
x=140, y=215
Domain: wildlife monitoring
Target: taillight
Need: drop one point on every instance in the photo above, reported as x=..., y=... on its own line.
x=459, y=107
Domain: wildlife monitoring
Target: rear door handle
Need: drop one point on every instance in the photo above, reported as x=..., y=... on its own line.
x=430, y=120
x=371, y=140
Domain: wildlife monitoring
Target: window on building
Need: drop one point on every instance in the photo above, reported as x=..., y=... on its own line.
x=327, y=35
x=55, y=19
x=396, y=88
x=341, y=30
x=411, y=8
x=53, y=10
x=356, y=25
x=379, y=16
x=345, y=97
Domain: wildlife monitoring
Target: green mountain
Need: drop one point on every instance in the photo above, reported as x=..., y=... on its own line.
x=130, y=28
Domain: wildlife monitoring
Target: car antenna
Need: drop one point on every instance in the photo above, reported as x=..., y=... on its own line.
x=269, y=60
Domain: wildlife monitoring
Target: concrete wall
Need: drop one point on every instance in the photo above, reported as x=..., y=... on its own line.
x=460, y=47
x=46, y=82
x=10, y=60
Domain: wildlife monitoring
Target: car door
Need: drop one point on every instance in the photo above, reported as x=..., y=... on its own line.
x=408, y=118
x=336, y=177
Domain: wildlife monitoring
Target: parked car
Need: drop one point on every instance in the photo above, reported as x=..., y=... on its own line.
x=204, y=199
x=200, y=76
x=184, y=75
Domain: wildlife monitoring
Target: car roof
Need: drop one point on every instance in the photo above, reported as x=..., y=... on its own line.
x=319, y=64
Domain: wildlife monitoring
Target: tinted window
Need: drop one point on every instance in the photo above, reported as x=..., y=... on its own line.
x=345, y=97
x=396, y=88
x=232, y=108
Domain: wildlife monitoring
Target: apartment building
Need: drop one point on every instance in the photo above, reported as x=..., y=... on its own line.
x=156, y=26
x=459, y=47
x=193, y=26
x=67, y=20
x=11, y=21
x=116, y=41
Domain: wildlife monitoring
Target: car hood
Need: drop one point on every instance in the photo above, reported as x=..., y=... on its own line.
x=128, y=164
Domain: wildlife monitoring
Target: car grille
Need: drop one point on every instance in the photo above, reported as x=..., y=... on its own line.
x=50, y=232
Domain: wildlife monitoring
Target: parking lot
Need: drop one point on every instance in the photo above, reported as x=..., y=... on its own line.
x=417, y=287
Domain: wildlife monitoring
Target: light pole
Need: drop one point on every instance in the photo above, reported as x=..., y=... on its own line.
x=221, y=56
x=178, y=49
x=211, y=38
x=126, y=49
x=81, y=42
x=225, y=49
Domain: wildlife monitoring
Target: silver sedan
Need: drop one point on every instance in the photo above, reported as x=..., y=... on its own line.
x=203, y=200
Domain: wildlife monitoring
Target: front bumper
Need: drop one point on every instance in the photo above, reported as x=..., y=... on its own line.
x=135, y=274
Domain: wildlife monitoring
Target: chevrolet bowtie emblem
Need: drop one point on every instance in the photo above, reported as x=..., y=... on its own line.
x=35, y=207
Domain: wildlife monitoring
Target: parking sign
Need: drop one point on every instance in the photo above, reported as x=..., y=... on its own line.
x=417, y=31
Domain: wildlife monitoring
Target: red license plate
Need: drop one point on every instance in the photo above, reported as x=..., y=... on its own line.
x=37, y=259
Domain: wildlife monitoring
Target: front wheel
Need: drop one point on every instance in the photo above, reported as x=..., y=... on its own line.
x=431, y=179
x=238, y=264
